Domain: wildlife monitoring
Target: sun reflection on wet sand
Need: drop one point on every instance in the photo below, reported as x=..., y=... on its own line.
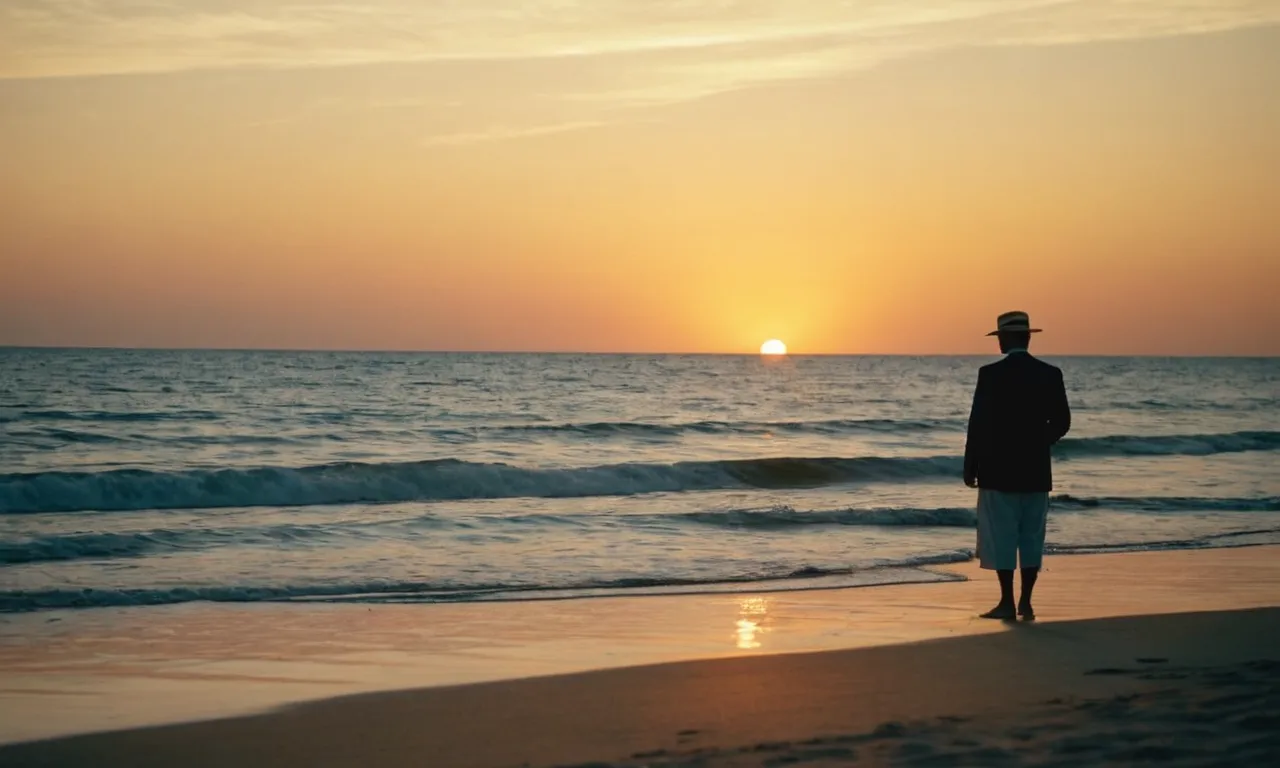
x=750, y=623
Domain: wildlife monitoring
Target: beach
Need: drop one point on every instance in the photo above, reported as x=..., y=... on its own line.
x=1167, y=655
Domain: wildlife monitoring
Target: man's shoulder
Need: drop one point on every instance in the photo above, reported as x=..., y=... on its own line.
x=1019, y=365
x=1047, y=367
x=1003, y=364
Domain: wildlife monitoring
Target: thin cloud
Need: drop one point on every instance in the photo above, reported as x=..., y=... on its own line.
x=502, y=133
x=58, y=38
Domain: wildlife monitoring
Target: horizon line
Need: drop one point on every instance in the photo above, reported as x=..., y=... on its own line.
x=597, y=353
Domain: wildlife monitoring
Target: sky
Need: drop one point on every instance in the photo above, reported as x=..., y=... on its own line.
x=880, y=176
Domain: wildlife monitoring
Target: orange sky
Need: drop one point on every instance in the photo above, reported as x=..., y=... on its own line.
x=879, y=177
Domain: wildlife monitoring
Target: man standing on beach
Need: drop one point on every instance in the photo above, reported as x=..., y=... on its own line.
x=1019, y=410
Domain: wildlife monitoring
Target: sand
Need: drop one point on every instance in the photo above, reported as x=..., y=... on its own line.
x=1185, y=669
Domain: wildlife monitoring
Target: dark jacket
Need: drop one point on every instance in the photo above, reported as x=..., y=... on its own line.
x=1019, y=410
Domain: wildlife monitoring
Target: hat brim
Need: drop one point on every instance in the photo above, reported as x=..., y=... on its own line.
x=1012, y=330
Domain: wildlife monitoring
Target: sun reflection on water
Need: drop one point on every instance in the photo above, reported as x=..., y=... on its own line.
x=750, y=625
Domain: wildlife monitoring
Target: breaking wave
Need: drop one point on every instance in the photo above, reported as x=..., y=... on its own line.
x=437, y=480
x=783, y=578
x=451, y=479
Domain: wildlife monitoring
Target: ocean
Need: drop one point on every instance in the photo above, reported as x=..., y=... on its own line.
x=132, y=477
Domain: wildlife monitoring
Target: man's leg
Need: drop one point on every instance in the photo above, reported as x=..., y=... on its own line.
x=1005, y=609
x=1034, y=509
x=1028, y=584
x=998, y=548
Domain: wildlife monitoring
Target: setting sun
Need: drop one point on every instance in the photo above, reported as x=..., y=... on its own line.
x=773, y=347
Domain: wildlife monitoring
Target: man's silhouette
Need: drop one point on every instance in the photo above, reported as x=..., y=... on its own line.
x=1019, y=410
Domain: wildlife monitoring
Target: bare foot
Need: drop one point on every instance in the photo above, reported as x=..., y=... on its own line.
x=1027, y=612
x=1002, y=612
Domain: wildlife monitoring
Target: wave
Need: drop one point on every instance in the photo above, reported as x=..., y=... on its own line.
x=126, y=416
x=1168, y=503
x=453, y=479
x=782, y=517
x=99, y=546
x=713, y=427
x=435, y=480
x=53, y=438
x=77, y=546
x=463, y=434
x=1168, y=445
x=1240, y=404
x=64, y=436
x=784, y=578
x=110, y=545
x=785, y=517
x=1225, y=540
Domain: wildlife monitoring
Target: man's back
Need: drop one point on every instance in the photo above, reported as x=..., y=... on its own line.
x=1019, y=410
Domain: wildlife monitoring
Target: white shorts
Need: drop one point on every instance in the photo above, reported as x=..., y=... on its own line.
x=1011, y=527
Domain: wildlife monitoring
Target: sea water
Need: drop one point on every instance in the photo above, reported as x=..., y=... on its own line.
x=132, y=477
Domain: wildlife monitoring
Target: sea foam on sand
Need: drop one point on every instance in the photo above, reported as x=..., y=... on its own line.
x=1160, y=655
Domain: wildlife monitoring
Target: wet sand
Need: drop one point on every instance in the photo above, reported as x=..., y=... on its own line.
x=1188, y=651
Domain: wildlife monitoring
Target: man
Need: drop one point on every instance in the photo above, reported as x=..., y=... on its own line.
x=1019, y=410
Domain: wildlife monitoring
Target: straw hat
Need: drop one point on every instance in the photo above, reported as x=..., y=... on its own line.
x=1013, y=322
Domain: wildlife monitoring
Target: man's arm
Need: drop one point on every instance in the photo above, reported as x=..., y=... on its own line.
x=1060, y=413
x=975, y=438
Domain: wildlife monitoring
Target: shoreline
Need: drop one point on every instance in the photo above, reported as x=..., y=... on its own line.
x=122, y=672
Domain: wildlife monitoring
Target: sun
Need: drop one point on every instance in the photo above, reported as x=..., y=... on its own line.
x=773, y=347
